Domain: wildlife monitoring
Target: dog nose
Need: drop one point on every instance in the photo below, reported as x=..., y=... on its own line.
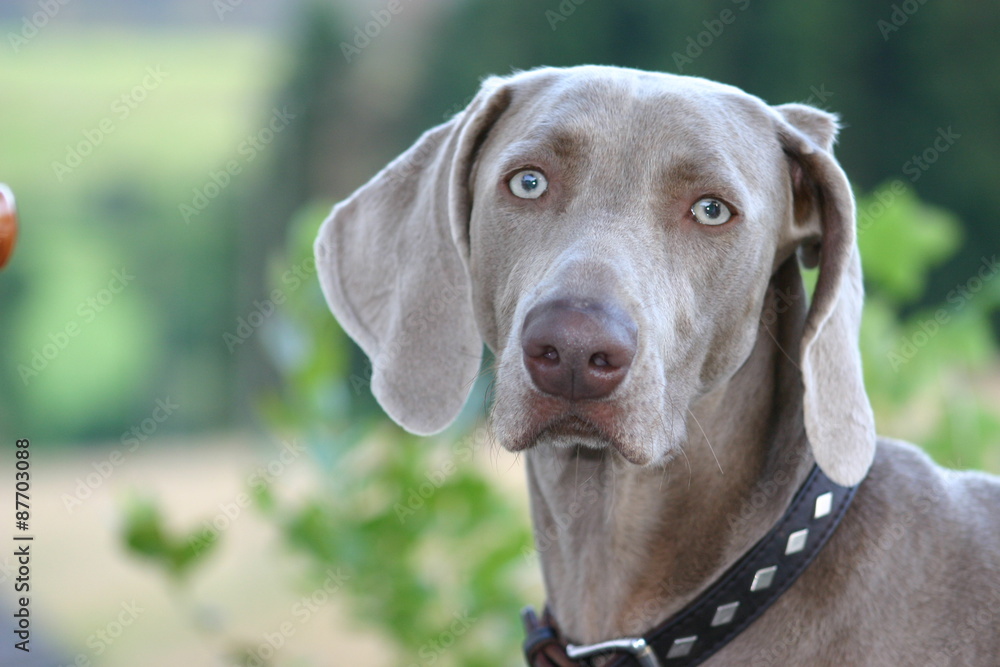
x=577, y=349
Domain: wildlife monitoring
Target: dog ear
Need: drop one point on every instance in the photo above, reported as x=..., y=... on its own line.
x=838, y=417
x=392, y=262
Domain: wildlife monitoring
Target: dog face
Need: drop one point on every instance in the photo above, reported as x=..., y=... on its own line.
x=637, y=262
x=610, y=234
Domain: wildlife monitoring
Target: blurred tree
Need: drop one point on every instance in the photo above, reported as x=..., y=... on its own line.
x=898, y=90
x=344, y=130
x=905, y=77
x=931, y=373
x=460, y=549
x=290, y=174
x=414, y=559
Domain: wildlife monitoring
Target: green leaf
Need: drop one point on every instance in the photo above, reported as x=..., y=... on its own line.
x=145, y=535
x=901, y=239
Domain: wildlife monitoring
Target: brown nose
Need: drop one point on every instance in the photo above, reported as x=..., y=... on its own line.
x=577, y=349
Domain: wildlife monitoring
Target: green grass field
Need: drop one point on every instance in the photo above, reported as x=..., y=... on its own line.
x=104, y=133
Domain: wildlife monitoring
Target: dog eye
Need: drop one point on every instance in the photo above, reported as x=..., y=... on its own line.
x=711, y=211
x=528, y=184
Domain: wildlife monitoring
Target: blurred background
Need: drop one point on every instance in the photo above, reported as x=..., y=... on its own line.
x=212, y=482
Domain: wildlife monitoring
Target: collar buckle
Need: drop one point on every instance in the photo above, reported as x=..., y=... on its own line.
x=636, y=646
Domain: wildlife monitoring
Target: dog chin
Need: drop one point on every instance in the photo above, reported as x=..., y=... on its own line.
x=572, y=432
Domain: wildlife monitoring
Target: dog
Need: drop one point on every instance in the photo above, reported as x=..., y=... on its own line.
x=628, y=244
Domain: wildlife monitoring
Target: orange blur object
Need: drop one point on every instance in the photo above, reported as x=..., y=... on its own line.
x=8, y=224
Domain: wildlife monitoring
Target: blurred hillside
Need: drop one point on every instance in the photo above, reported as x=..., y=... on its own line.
x=264, y=15
x=916, y=115
x=345, y=87
x=172, y=161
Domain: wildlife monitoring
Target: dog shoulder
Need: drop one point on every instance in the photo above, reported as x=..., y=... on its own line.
x=912, y=574
x=920, y=548
x=946, y=516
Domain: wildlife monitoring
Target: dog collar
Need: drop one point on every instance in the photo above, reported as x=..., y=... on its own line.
x=728, y=606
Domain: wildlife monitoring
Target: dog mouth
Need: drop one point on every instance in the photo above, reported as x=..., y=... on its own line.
x=560, y=429
x=575, y=430
x=522, y=419
x=573, y=427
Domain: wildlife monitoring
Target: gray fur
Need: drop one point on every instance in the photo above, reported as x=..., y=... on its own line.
x=738, y=384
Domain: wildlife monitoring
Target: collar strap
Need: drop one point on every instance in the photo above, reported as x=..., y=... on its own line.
x=729, y=606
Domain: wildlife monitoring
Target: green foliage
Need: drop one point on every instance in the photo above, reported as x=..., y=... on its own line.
x=928, y=371
x=118, y=210
x=434, y=552
x=427, y=538
x=146, y=536
x=416, y=523
x=901, y=243
x=420, y=550
x=194, y=279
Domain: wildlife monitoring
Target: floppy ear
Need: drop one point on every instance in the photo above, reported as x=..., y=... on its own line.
x=838, y=416
x=392, y=265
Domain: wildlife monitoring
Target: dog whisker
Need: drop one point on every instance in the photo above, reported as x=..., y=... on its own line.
x=710, y=448
x=779, y=346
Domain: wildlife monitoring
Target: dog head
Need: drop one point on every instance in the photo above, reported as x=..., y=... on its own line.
x=611, y=235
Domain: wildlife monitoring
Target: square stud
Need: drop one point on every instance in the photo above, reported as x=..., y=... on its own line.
x=796, y=542
x=762, y=578
x=682, y=647
x=823, y=504
x=725, y=613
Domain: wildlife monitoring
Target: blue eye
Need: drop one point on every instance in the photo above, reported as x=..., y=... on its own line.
x=528, y=184
x=711, y=211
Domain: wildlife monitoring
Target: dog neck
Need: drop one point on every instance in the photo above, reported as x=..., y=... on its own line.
x=624, y=547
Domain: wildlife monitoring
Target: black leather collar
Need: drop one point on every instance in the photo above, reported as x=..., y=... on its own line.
x=731, y=604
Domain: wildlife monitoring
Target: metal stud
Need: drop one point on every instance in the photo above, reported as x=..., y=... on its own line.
x=796, y=541
x=682, y=647
x=725, y=613
x=762, y=578
x=824, y=503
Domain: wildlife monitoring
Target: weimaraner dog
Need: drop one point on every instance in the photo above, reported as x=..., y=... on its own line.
x=628, y=245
